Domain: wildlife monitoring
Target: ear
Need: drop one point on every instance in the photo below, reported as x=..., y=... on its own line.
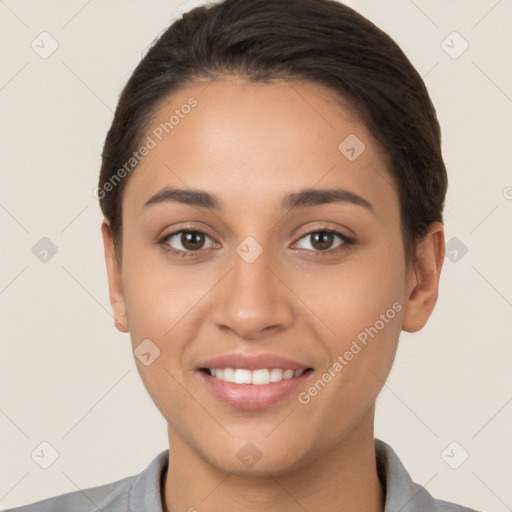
x=423, y=279
x=115, y=283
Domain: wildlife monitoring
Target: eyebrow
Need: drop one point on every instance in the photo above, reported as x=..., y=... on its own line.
x=300, y=199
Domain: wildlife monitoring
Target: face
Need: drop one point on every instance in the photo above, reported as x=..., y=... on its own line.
x=283, y=251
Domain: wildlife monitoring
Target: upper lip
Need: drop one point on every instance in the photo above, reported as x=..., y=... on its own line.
x=252, y=362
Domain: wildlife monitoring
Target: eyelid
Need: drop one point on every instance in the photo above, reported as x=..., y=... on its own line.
x=325, y=226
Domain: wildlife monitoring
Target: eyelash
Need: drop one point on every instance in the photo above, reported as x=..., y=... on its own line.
x=347, y=242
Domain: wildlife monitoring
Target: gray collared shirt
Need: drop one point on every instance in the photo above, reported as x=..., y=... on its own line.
x=141, y=493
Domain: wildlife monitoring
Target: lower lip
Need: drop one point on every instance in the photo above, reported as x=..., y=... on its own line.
x=251, y=396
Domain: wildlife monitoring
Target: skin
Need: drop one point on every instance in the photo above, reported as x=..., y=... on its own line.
x=250, y=144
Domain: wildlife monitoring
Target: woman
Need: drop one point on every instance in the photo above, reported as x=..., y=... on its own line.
x=272, y=186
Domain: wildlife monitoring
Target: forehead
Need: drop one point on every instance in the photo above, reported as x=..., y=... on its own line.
x=253, y=141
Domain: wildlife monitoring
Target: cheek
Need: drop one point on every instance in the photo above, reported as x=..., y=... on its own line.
x=362, y=305
x=158, y=295
x=164, y=303
x=352, y=296
x=160, y=301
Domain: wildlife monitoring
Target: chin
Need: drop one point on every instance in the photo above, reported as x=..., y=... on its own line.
x=247, y=460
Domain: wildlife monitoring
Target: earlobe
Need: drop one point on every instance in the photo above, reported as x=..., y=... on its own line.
x=121, y=326
x=115, y=283
x=423, y=279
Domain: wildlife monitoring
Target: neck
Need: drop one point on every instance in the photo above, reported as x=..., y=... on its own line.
x=343, y=479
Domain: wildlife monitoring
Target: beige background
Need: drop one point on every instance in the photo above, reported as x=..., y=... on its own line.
x=67, y=376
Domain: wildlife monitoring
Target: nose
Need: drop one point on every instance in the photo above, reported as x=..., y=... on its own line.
x=252, y=300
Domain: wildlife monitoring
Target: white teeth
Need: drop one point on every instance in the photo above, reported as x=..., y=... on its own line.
x=258, y=377
x=229, y=375
x=287, y=374
x=242, y=376
x=276, y=374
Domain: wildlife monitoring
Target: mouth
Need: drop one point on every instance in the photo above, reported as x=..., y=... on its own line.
x=253, y=389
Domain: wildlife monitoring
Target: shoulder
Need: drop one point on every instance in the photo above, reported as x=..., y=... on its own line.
x=141, y=491
x=86, y=500
x=402, y=493
x=448, y=506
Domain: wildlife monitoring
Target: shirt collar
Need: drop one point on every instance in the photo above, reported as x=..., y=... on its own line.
x=401, y=492
x=145, y=493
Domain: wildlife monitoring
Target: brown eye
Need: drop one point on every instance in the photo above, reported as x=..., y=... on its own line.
x=323, y=242
x=186, y=242
x=192, y=240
